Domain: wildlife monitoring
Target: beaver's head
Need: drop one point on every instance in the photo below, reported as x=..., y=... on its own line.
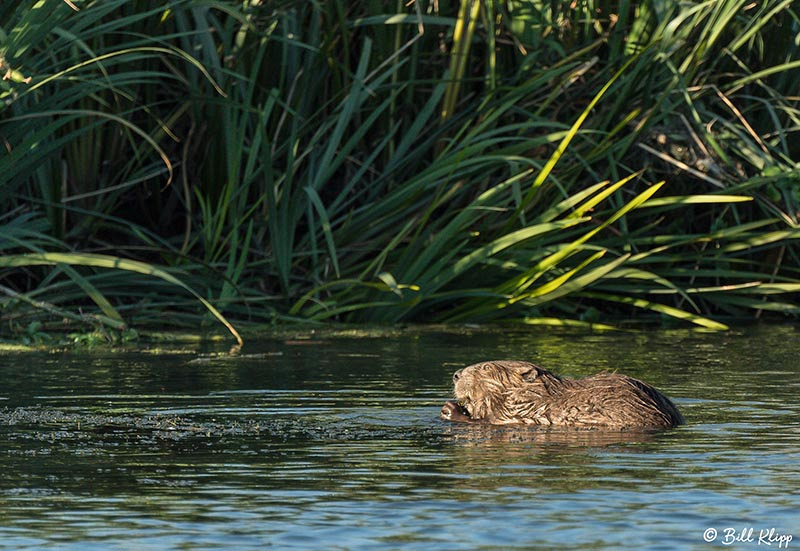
x=485, y=390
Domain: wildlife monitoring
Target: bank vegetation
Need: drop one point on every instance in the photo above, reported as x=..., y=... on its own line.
x=181, y=164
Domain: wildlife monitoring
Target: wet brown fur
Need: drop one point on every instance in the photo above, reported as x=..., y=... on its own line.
x=505, y=392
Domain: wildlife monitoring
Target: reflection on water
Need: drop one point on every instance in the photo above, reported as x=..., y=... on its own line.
x=336, y=443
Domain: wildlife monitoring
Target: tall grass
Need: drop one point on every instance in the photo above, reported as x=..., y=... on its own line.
x=520, y=161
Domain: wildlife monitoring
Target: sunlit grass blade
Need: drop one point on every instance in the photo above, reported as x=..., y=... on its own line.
x=564, y=322
x=481, y=254
x=570, y=281
x=762, y=239
x=670, y=311
x=462, y=41
x=695, y=200
x=522, y=282
x=562, y=146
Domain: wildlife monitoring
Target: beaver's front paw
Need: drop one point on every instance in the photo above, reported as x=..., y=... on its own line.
x=451, y=411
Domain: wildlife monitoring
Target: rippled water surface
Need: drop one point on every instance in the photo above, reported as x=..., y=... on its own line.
x=334, y=442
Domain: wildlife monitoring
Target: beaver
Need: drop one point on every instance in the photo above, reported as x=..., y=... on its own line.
x=504, y=392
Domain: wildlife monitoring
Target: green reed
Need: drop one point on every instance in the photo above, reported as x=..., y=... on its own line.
x=521, y=161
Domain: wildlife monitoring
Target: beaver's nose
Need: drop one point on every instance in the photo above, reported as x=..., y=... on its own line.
x=456, y=376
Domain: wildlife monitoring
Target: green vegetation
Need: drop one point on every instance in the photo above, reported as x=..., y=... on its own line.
x=514, y=160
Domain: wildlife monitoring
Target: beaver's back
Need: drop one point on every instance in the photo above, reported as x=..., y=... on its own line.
x=605, y=399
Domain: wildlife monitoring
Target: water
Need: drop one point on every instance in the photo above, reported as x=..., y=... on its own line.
x=334, y=442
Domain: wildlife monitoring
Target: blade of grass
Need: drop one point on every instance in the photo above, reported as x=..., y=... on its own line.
x=670, y=311
x=112, y=262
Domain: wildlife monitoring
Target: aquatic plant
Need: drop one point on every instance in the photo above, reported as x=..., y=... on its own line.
x=520, y=161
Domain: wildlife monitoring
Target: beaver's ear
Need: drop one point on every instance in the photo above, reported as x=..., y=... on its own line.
x=531, y=374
